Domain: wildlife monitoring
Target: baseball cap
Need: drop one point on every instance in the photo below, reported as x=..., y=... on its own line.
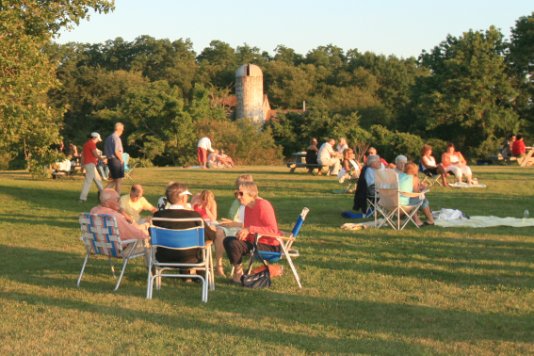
x=97, y=136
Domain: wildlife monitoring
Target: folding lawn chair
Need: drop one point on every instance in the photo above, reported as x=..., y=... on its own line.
x=100, y=236
x=388, y=201
x=128, y=169
x=286, y=245
x=180, y=239
x=428, y=178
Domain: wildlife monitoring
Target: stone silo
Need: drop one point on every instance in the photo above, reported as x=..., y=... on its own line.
x=249, y=93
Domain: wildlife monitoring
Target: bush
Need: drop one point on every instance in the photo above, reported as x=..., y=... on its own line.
x=244, y=141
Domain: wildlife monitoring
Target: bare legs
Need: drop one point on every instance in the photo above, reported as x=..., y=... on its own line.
x=219, y=252
x=115, y=184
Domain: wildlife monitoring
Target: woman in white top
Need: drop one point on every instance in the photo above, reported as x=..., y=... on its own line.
x=453, y=161
x=429, y=165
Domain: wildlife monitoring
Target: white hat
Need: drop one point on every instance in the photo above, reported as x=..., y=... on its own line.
x=185, y=192
x=97, y=136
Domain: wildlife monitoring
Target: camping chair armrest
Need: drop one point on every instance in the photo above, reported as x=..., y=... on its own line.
x=412, y=194
x=130, y=241
x=279, y=238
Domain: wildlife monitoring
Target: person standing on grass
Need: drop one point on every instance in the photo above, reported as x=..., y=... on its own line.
x=203, y=147
x=113, y=151
x=90, y=157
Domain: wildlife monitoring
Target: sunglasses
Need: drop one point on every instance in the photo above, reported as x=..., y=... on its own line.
x=238, y=194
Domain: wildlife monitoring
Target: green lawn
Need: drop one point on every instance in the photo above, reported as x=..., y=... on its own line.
x=427, y=291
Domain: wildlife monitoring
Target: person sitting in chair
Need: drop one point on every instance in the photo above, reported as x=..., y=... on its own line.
x=365, y=188
x=349, y=168
x=453, y=161
x=409, y=183
x=431, y=168
x=177, y=195
x=259, y=219
x=134, y=203
x=109, y=204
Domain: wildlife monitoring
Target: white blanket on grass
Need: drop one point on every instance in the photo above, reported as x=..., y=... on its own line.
x=465, y=185
x=485, y=221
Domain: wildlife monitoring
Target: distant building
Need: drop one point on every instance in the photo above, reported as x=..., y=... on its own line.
x=251, y=102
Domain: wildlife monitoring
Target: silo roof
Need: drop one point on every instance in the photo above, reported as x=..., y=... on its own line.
x=249, y=70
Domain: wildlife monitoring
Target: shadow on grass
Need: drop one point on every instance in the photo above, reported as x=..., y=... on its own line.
x=42, y=267
x=463, y=262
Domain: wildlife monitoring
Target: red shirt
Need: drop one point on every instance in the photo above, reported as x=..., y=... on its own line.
x=87, y=152
x=260, y=219
x=518, y=148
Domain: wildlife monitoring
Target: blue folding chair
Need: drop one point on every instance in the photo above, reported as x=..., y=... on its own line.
x=100, y=236
x=180, y=239
x=286, y=246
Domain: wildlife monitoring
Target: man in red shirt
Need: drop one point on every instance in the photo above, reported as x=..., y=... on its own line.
x=90, y=158
x=518, y=147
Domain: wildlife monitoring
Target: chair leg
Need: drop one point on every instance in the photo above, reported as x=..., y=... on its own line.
x=122, y=274
x=149, y=280
x=83, y=269
x=291, y=265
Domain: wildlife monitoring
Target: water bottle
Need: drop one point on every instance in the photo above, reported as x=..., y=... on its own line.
x=525, y=214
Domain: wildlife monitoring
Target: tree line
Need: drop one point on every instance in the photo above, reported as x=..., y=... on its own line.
x=472, y=90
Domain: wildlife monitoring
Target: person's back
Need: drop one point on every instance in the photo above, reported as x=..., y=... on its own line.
x=168, y=255
x=405, y=185
x=518, y=147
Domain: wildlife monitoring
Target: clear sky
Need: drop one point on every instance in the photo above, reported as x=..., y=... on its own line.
x=400, y=27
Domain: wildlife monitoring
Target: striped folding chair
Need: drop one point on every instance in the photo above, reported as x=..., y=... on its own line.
x=180, y=239
x=100, y=236
x=286, y=246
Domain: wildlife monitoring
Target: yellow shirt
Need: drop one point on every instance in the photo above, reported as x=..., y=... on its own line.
x=134, y=209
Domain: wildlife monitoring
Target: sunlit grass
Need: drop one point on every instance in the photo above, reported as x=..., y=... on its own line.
x=434, y=290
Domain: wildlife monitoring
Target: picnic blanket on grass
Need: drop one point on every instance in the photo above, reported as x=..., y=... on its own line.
x=465, y=185
x=485, y=221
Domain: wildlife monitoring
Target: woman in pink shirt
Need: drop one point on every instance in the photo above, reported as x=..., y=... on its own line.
x=259, y=219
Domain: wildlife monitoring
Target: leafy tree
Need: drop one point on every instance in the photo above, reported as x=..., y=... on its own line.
x=521, y=63
x=30, y=124
x=469, y=98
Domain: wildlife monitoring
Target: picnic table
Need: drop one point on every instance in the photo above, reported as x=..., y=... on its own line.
x=298, y=160
x=527, y=159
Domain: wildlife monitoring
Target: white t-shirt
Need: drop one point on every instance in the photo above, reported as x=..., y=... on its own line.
x=325, y=152
x=205, y=143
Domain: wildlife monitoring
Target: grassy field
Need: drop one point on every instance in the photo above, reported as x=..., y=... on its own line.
x=427, y=291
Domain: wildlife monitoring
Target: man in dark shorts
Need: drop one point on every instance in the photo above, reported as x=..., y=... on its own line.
x=113, y=151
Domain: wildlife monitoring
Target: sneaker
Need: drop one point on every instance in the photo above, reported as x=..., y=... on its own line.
x=341, y=180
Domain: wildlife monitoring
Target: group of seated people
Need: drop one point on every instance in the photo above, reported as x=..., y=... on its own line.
x=339, y=159
x=219, y=159
x=408, y=180
x=514, y=146
x=249, y=215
